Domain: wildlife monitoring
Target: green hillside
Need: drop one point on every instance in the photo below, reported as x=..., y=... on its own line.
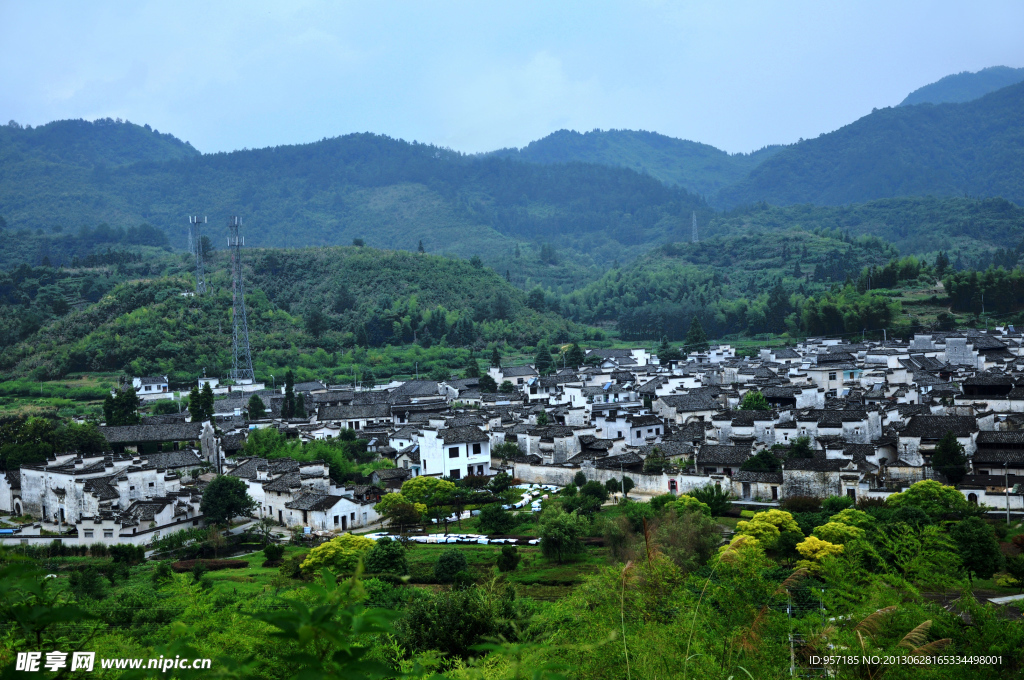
x=103, y=142
x=389, y=193
x=976, y=148
x=969, y=228
x=331, y=311
x=965, y=86
x=699, y=168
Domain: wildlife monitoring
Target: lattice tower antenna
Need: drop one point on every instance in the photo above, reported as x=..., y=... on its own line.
x=694, y=226
x=241, y=364
x=195, y=244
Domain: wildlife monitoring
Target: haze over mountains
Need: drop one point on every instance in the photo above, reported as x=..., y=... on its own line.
x=571, y=203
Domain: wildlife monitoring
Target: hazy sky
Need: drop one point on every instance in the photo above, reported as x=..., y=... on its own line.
x=482, y=75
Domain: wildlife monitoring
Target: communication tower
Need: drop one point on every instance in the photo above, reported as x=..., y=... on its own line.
x=195, y=244
x=241, y=364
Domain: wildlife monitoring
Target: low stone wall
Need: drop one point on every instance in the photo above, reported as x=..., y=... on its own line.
x=645, y=484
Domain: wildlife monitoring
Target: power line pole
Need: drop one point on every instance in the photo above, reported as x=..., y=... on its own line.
x=195, y=244
x=241, y=364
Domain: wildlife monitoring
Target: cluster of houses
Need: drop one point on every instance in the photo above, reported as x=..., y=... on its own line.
x=871, y=412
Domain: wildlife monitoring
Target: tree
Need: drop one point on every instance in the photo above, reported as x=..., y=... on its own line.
x=1014, y=567
x=472, y=368
x=225, y=498
x=122, y=408
x=358, y=242
x=419, y=248
x=495, y=358
x=978, y=547
x=504, y=451
x=494, y=519
x=87, y=584
x=501, y=481
x=449, y=564
x=488, y=385
x=613, y=485
x=206, y=399
x=561, y=534
x=509, y=558
x=762, y=461
x=288, y=405
x=754, y=401
x=714, y=497
x=667, y=353
x=315, y=321
x=507, y=387
x=427, y=490
x=627, y=485
x=696, y=340
x=934, y=498
x=386, y=557
x=579, y=479
x=195, y=405
x=542, y=419
x=949, y=460
x=542, y=360
x=595, y=489
x=575, y=356
x=300, y=406
x=801, y=448
x=256, y=407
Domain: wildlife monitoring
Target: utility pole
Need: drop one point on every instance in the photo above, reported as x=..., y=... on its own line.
x=195, y=240
x=1006, y=487
x=241, y=364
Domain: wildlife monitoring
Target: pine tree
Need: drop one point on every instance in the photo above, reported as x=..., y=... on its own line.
x=257, y=409
x=949, y=459
x=495, y=358
x=542, y=360
x=472, y=368
x=575, y=356
x=300, y=406
x=195, y=405
x=206, y=399
x=696, y=340
x=420, y=247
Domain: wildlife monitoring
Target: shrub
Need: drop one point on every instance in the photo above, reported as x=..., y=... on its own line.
x=935, y=498
x=579, y=479
x=98, y=550
x=341, y=554
x=560, y=536
x=801, y=504
x=387, y=557
x=814, y=550
x=687, y=503
x=162, y=573
x=184, y=566
x=714, y=497
x=509, y=558
x=595, y=490
x=450, y=563
x=834, y=504
x=273, y=552
x=853, y=518
x=837, y=533
x=129, y=554
x=613, y=485
x=87, y=583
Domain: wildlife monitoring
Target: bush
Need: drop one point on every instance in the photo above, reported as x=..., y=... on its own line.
x=500, y=482
x=801, y=504
x=561, y=534
x=713, y=496
x=98, y=550
x=292, y=567
x=613, y=485
x=184, y=566
x=579, y=479
x=450, y=563
x=129, y=554
x=509, y=558
x=87, y=583
x=273, y=552
x=341, y=554
x=387, y=557
x=162, y=573
x=834, y=504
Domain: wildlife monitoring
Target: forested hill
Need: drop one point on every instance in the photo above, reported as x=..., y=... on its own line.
x=318, y=308
x=81, y=143
x=388, y=192
x=976, y=148
x=965, y=86
x=699, y=168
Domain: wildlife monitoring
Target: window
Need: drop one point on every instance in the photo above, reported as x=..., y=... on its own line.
x=657, y=430
x=88, y=533
x=336, y=520
x=456, y=474
x=453, y=452
x=352, y=516
x=638, y=433
x=405, y=464
x=480, y=469
x=477, y=449
x=832, y=376
x=151, y=484
x=108, y=533
x=775, y=493
x=727, y=471
x=620, y=434
x=131, y=488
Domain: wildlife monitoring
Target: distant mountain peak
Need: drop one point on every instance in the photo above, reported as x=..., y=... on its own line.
x=965, y=86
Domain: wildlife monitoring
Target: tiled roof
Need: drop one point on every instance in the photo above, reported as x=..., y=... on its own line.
x=935, y=427
x=131, y=434
x=462, y=435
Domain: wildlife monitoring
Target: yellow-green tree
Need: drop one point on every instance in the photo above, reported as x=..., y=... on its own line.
x=814, y=550
x=686, y=503
x=341, y=554
x=836, y=532
x=427, y=490
x=767, y=526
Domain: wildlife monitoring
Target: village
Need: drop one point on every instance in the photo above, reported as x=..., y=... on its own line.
x=868, y=414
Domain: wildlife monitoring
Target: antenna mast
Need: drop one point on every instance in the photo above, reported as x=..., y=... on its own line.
x=241, y=364
x=195, y=244
x=694, y=226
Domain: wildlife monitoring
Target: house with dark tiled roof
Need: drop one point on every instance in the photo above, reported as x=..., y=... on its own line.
x=455, y=452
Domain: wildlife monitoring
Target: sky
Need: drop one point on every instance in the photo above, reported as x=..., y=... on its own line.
x=477, y=76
